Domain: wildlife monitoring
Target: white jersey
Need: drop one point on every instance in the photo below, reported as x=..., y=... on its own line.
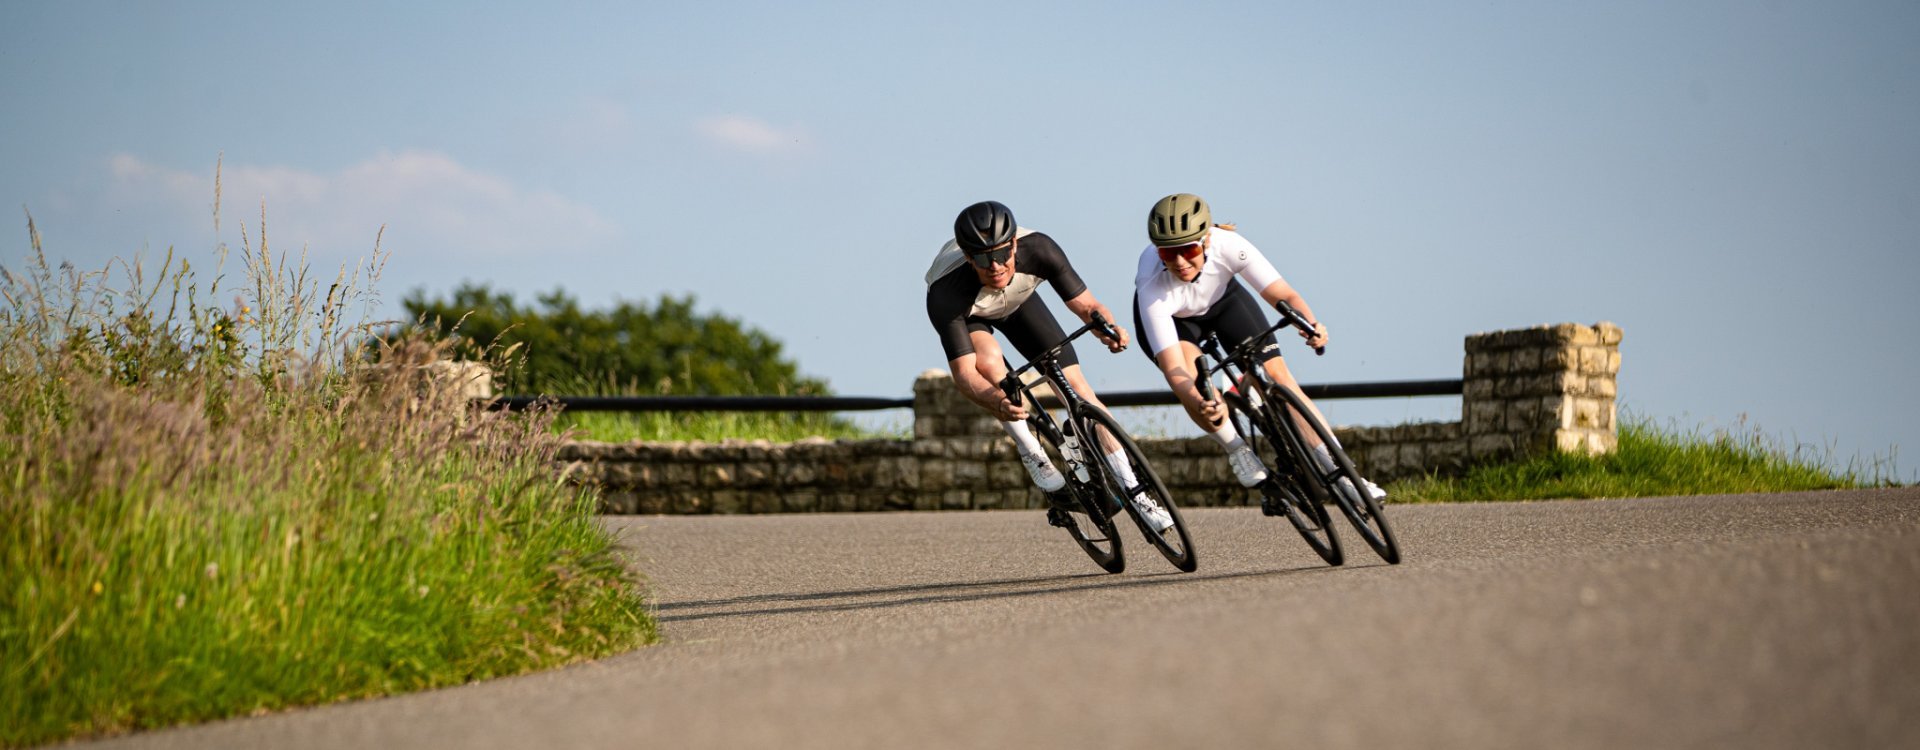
x=1161, y=296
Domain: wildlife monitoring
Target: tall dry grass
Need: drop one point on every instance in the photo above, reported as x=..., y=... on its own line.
x=209, y=510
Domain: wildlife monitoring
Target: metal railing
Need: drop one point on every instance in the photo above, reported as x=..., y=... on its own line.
x=1161, y=397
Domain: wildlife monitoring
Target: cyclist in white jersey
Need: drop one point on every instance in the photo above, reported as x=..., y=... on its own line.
x=986, y=279
x=1184, y=289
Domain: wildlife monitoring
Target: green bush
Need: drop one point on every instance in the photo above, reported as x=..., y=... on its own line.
x=632, y=349
x=212, y=511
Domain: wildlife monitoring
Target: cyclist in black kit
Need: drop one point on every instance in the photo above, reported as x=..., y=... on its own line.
x=984, y=280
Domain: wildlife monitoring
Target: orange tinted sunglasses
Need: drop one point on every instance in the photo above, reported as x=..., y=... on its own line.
x=1190, y=252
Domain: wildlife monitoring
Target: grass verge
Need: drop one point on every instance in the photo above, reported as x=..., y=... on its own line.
x=208, y=512
x=1650, y=461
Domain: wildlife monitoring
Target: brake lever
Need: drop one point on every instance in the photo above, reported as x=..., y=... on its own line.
x=1293, y=318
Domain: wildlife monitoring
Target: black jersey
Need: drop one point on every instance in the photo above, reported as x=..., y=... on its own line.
x=955, y=296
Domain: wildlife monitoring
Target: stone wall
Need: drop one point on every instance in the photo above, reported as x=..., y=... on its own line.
x=1525, y=391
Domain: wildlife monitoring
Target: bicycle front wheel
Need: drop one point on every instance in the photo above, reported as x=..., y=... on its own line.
x=1092, y=526
x=1284, y=491
x=1147, y=491
x=1355, y=502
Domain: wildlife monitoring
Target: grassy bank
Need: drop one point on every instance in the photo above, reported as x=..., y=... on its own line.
x=209, y=511
x=1651, y=461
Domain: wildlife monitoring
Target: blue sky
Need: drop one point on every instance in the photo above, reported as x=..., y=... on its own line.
x=1736, y=184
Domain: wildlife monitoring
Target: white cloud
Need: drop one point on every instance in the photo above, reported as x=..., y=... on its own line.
x=743, y=133
x=433, y=207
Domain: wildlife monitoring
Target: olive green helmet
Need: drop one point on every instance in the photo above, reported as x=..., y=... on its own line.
x=1178, y=219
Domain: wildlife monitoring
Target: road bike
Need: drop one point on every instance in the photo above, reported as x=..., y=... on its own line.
x=1076, y=441
x=1270, y=417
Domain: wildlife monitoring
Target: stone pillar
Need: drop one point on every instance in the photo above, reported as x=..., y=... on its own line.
x=939, y=411
x=965, y=459
x=1540, y=389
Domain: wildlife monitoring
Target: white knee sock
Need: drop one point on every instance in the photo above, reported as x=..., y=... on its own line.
x=1023, y=438
x=1228, y=438
x=1323, y=458
x=1122, y=468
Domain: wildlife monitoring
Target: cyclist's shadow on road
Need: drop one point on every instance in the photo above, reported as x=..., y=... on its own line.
x=758, y=605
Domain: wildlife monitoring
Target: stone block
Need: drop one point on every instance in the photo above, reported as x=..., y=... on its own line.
x=1593, y=359
x=1561, y=359
x=956, y=500
x=1383, y=459
x=1525, y=360
x=1494, y=446
x=798, y=473
x=1413, y=456
x=652, y=503
x=839, y=502
x=716, y=475
x=755, y=474
x=1485, y=418
x=1478, y=363
x=970, y=475
x=1609, y=333
x=678, y=475
x=800, y=501
x=1587, y=414
x=619, y=503
x=767, y=501
x=1448, y=457
x=936, y=475
x=728, y=501
x=1006, y=475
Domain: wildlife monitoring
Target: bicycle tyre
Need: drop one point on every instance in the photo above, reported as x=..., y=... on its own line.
x=1092, y=528
x=1301, y=508
x=1177, y=547
x=1367, y=517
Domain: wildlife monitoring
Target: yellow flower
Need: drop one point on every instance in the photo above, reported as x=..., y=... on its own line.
x=97, y=588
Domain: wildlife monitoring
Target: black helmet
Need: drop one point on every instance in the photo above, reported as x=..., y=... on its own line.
x=983, y=225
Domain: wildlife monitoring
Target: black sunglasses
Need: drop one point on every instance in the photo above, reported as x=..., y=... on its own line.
x=985, y=260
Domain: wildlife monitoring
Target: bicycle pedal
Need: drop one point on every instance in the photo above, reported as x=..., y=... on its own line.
x=1058, y=517
x=1270, y=508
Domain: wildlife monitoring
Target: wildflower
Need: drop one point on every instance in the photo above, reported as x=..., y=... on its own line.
x=97, y=588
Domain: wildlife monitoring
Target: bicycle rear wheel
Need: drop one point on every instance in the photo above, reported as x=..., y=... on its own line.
x=1359, y=507
x=1174, y=543
x=1283, y=489
x=1092, y=527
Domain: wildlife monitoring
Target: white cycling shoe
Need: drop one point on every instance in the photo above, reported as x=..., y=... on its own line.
x=1246, y=467
x=1044, y=474
x=1157, y=516
x=1346, y=490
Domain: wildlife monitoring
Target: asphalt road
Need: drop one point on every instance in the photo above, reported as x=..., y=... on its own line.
x=1786, y=621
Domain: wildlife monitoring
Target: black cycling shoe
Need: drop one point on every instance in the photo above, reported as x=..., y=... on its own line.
x=1270, y=508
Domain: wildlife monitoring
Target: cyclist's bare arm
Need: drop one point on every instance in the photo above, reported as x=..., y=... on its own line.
x=1281, y=291
x=1176, y=363
x=980, y=389
x=1084, y=305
